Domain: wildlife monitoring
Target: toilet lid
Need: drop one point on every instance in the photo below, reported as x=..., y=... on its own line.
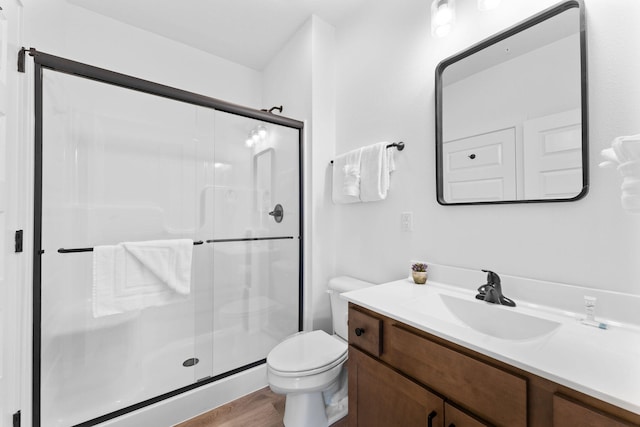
x=306, y=351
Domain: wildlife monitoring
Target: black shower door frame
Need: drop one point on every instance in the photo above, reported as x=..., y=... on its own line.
x=46, y=61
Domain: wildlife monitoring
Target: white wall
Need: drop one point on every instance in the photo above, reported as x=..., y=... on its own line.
x=59, y=28
x=12, y=213
x=301, y=77
x=321, y=150
x=385, y=86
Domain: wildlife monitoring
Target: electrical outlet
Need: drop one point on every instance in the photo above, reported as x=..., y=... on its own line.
x=406, y=221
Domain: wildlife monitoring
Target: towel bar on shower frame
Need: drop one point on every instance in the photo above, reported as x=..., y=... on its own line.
x=195, y=243
x=74, y=250
x=398, y=145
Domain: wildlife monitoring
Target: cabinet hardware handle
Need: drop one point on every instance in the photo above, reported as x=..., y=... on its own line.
x=452, y=425
x=471, y=156
x=430, y=418
x=359, y=331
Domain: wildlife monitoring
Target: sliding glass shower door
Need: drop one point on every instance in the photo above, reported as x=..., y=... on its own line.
x=125, y=313
x=255, y=238
x=118, y=166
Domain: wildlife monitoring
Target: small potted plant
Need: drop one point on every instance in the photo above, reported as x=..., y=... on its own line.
x=419, y=272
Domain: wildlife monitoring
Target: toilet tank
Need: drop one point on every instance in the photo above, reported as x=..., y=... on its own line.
x=339, y=306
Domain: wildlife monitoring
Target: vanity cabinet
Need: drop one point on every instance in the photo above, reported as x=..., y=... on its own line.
x=569, y=413
x=402, y=376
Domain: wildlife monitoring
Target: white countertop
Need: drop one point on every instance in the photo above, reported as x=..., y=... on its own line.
x=601, y=363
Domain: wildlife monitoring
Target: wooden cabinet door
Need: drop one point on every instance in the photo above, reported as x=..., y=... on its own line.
x=380, y=396
x=454, y=417
x=481, y=388
x=568, y=413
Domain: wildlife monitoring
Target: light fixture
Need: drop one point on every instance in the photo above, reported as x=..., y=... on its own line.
x=262, y=131
x=488, y=4
x=443, y=16
x=256, y=136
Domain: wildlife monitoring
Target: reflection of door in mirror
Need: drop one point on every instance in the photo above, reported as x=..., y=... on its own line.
x=481, y=167
x=517, y=103
x=552, y=156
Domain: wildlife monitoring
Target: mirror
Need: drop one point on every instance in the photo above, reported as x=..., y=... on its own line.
x=511, y=114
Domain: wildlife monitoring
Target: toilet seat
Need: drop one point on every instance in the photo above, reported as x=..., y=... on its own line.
x=311, y=371
x=308, y=353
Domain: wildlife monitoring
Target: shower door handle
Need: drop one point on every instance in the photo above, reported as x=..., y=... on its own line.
x=277, y=213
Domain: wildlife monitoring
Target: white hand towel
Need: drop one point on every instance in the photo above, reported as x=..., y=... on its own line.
x=611, y=159
x=346, y=177
x=625, y=154
x=135, y=275
x=375, y=167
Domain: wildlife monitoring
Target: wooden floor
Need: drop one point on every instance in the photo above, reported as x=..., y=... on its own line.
x=262, y=408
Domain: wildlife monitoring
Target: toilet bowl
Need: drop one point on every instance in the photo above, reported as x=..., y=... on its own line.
x=308, y=367
x=302, y=367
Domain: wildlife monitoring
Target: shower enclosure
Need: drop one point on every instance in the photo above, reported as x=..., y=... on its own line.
x=120, y=159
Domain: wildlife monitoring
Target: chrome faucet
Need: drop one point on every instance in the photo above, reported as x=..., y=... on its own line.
x=492, y=291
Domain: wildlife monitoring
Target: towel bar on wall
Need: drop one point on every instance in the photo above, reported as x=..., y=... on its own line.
x=398, y=145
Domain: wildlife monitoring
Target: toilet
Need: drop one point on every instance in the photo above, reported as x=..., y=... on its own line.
x=308, y=367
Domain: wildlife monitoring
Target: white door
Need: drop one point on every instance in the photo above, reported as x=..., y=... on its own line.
x=553, y=156
x=10, y=288
x=480, y=167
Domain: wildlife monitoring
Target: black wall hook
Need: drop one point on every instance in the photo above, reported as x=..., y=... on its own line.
x=270, y=110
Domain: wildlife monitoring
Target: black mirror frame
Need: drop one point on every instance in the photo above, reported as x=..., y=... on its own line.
x=542, y=16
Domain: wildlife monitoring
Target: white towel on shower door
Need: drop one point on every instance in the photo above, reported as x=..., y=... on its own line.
x=134, y=275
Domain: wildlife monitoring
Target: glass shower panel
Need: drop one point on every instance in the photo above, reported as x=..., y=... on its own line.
x=121, y=166
x=256, y=300
x=257, y=168
x=256, y=250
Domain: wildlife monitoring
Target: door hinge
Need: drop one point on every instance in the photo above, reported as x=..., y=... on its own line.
x=18, y=241
x=16, y=419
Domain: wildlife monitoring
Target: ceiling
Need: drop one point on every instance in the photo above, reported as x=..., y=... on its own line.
x=247, y=32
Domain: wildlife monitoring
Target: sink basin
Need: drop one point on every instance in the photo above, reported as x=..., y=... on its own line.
x=497, y=321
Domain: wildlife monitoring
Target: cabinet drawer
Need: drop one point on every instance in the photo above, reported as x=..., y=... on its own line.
x=454, y=417
x=365, y=332
x=493, y=394
x=571, y=414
